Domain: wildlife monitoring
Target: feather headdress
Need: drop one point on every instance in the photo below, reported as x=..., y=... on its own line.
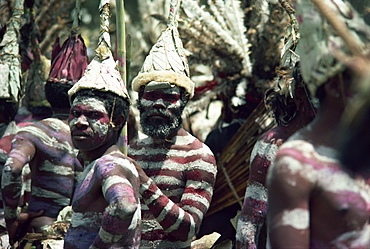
x=10, y=66
x=102, y=73
x=166, y=61
x=320, y=41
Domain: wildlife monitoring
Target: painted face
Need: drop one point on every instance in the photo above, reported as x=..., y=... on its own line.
x=160, y=111
x=89, y=123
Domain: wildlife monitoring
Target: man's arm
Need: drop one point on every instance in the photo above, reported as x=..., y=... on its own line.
x=182, y=221
x=254, y=210
x=22, y=152
x=289, y=195
x=119, y=181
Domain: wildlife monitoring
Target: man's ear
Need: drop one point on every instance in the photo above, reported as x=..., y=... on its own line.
x=119, y=122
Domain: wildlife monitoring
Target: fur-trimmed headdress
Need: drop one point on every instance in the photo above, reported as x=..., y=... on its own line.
x=166, y=61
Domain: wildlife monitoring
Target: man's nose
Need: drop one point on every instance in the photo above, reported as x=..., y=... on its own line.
x=159, y=103
x=81, y=121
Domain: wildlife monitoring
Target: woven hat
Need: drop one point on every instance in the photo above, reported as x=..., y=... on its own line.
x=102, y=73
x=320, y=41
x=10, y=66
x=166, y=61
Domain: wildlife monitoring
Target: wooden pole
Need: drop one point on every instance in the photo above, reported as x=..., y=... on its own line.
x=121, y=57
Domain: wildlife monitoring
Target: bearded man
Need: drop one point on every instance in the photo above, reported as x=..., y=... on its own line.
x=177, y=171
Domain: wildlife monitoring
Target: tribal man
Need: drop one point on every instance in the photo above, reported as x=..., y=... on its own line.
x=177, y=171
x=291, y=114
x=45, y=146
x=106, y=205
x=313, y=201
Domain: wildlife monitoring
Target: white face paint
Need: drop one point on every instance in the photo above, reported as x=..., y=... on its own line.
x=168, y=97
x=89, y=117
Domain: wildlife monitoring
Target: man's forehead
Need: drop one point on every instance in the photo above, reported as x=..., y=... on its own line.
x=90, y=102
x=156, y=85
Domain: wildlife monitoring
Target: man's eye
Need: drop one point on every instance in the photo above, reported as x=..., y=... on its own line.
x=75, y=113
x=149, y=97
x=95, y=115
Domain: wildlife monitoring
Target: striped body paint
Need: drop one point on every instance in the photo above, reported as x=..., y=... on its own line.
x=254, y=210
x=47, y=147
x=314, y=202
x=179, y=190
x=106, y=210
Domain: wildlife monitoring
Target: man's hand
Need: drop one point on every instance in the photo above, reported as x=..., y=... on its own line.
x=15, y=225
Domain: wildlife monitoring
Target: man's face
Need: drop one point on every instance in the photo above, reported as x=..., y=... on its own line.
x=160, y=111
x=89, y=123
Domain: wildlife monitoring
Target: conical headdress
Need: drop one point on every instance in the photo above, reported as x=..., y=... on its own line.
x=167, y=61
x=320, y=41
x=102, y=73
x=10, y=66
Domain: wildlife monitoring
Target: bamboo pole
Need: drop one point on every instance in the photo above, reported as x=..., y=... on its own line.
x=341, y=28
x=121, y=57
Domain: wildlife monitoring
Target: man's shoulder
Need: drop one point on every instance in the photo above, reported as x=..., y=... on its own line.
x=274, y=134
x=46, y=126
x=113, y=159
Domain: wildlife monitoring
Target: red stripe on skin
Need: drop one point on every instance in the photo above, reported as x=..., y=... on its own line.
x=166, y=97
x=165, y=172
x=171, y=217
x=200, y=175
x=156, y=205
x=200, y=192
x=254, y=210
x=297, y=155
x=182, y=233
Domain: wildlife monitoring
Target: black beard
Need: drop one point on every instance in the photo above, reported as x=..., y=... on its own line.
x=160, y=129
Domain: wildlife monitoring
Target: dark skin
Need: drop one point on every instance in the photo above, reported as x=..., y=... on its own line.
x=333, y=209
x=30, y=221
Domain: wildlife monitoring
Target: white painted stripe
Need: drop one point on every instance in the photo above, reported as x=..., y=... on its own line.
x=107, y=237
x=256, y=191
x=179, y=220
x=298, y=218
x=171, y=165
x=58, y=198
x=291, y=166
x=136, y=218
x=88, y=220
x=167, y=180
x=122, y=162
x=165, y=211
x=193, y=210
x=196, y=198
x=111, y=180
x=262, y=148
x=57, y=169
x=47, y=140
x=307, y=150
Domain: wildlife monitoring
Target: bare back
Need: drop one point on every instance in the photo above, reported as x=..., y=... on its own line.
x=47, y=147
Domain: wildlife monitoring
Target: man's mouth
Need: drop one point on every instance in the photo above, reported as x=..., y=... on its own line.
x=79, y=135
